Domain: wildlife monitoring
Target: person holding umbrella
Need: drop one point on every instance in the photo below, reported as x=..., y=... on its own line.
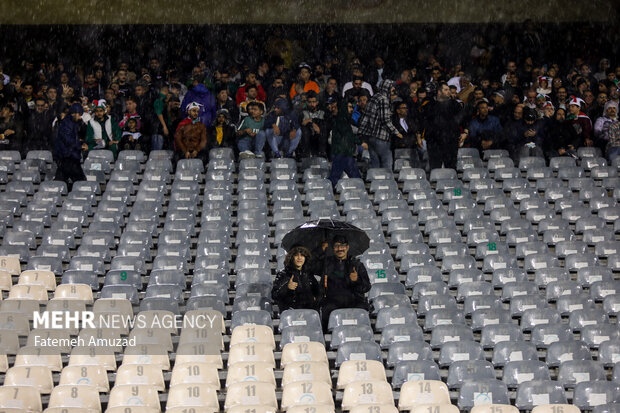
x=344, y=280
x=295, y=286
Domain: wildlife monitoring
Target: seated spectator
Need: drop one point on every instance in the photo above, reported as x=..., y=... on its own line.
x=304, y=80
x=580, y=121
x=295, y=287
x=251, y=93
x=562, y=139
x=601, y=127
x=281, y=130
x=203, y=97
x=331, y=90
x=250, y=79
x=344, y=280
x=613, y=141
x=101, y=132
x=249, y=132
x=530, y=136
x=190, y=137
x=485, y=131
x=11, y=129
x=314, y=128
x=224, y=101
x=222, y=133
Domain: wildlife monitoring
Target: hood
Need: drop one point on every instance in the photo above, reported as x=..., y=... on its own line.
x=200, y=89
x=610, y=104
x=281, y=104
x=385, y=86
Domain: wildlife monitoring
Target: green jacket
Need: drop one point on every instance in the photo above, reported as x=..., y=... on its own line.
x=344, y=141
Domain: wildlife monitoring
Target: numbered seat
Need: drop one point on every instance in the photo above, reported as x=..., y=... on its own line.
x=474, y=393
x=590, y=394
x=20, y=399
x=90, y=375
x=304, y=393
x=556, y=408
x=250, y=393
x=192, y=397
x=85, y=398
x=133, y=396
x=369, y=392
x=517, y=372
x=423, y=392
x=306, y=370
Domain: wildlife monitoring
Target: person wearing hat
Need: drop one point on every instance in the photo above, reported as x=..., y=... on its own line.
x=344, y=280
x=303, y=78
x=530, y=135
x=296, y=286
x=190, y=138
x=580, y=121
x=602, y=124
x=68, y=147
x=101, y=132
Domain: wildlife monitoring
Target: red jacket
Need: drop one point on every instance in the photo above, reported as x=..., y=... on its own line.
x=262, y=96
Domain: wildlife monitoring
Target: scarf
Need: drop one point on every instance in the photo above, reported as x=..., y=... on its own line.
x=97, y=131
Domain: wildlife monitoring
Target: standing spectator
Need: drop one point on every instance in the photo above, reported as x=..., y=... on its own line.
x=161, y=131
x=345, y=144
x=101, y=132
x=190, y=137
x=580, y=121
x=412, y=140
x=376, y=126
x=68, y=147
x=601, y=127
x=39, y=127
x=344, y=280
x=442, y=129
x=295, y=287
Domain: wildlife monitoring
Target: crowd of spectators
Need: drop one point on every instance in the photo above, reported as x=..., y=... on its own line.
x=340, y=105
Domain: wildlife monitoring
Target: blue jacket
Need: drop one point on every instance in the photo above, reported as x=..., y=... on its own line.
x=200, y=94
x=67, y=143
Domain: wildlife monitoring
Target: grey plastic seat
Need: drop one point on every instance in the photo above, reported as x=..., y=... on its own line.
x=534, y=317
x=507, y=351
x=586, y=317
x=529, y=248
x=602, y=172
x=365, y=350
x=571, y=373
x=609, y=214
x=206, y=303
x=127, y=292
x=413, y=370
x=590, y=394
x=527, y=162
x=502, y=174
x=473, y=289
x=210, y=290
x=562, y=351
x=167, y=277
x=394, y=316
x=447, y=334
x=496, y=259
x=259, y=317
x=348, y=333
x=53, y=264
x=395, y=333
x=543, y=336
x=517, y=372
x=299, y=318
x=378, y=173
x=556, y=290
x=504, y=331
x=422, y=274
x=390, y=301
x=469, y=370
x=448, y=250
x=160, y=304
x=485, y=310
x=523, y=296
x=473, y=393
x=540, y=261
x=539, y=392
x=502, y=276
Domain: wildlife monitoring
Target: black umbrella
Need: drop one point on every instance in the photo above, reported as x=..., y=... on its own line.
x=313, y=233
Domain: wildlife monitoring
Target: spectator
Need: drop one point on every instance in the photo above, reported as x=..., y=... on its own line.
x=530, y=136
x=159, y=108
x=295, y=287
x=562, y=138
x=101, y=132
x=39, y=127
x=314, y=128
x=485, y=130
x=200, y=95
x=249, y=132
x=601, y=127
x=304, y=80
x=250, y=79
x=580, y=121
x=131, y=138
x=190, y=137
x=345, y=144
x=222, y=133
x=281, y=130
x=331, y=90
x=412, y=139
x=344, y=280
x=11, y=129
x=68, y=147
x=376, y=126
x=224, y=101
x=442, y=129
x=613, y=144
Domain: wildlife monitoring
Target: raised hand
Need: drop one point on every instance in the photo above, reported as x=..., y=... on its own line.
x=292, y=285
x=353, y=275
